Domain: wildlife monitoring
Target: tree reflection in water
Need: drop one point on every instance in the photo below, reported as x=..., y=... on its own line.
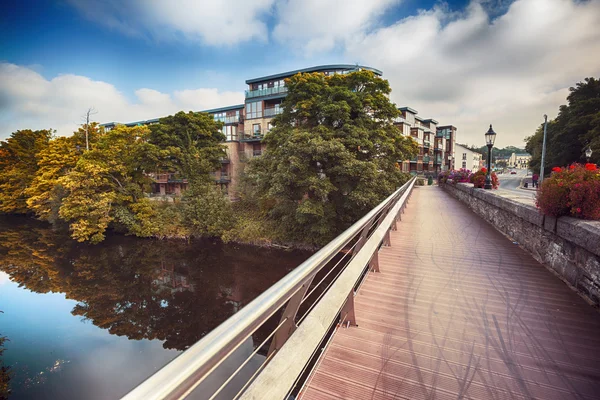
x=173, y=291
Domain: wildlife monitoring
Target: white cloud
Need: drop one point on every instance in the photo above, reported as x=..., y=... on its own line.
x=4, y=278
x=215, y=22
x=319, y=25
x=30, y=101
x=470, y=70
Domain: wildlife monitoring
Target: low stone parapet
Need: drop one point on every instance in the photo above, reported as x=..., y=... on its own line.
x=568, y=246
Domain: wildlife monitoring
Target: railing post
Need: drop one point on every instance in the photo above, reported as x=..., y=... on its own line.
x=347, y=312
x=286, y=330
x=386, y=239
x=374, y=263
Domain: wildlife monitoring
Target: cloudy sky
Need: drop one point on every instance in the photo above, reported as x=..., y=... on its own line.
x=465, y=63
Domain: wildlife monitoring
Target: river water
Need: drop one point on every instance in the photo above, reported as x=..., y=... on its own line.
x=91, y=322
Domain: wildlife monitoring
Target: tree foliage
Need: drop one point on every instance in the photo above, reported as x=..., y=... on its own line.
x=19, y=157
x=107, y=185
x=331, y=156
x=190, y=143
x=576, y=127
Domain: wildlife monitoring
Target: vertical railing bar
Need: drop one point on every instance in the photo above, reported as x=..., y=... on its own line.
x=247, y=359
x=330, y=271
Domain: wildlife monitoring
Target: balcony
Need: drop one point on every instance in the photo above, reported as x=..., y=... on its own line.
x=252, y=136
x=223, y=177
x=235, y=119
x=426, y=143
x=266, y=92
x=426, y=159
x=166, y=178
x=271, y=112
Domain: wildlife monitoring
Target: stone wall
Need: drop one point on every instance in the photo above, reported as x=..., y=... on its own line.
x=568, y=246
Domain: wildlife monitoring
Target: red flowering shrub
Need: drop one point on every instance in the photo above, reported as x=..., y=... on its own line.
x=478, y=179
x=462, y=175
x=574, y=191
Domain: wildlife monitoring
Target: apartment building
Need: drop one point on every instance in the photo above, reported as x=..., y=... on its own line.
x=245, y=125
x=467, y=158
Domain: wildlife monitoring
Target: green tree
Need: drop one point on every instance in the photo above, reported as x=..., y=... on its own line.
x=45, y=193
x=18, y=166
x=206, y=211
x=107, y=186
x=576, y=127
x=331, y=156
x=190, y=143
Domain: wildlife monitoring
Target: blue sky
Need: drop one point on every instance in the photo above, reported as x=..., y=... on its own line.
x=135, y=59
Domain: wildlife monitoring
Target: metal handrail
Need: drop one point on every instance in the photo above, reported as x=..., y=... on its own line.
x=183, y=374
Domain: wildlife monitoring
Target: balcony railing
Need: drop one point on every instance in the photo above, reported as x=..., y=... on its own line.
x=426, y=159
x=426, y=143
x=235, y=119
x=271, y=112
x=252, y=136
x=266, y=92
x=166, y=178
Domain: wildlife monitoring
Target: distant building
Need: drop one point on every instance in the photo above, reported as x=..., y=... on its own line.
x=467, y=158
x=520, y=161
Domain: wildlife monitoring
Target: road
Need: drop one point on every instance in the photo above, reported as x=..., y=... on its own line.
x=509, y=184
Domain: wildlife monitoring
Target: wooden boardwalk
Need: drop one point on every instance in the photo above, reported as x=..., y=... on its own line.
x=459, y=311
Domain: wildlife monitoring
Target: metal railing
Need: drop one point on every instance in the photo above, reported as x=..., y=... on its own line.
x=271, y=112
x=356, y=248
x=266, y=92
x=249, y=136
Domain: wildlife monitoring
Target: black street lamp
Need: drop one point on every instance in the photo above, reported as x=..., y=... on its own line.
x=588, y=153
x=490, y=138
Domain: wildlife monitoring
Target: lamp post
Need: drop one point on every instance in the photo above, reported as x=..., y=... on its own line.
x=490, y=138
x=543, y=150
x=588, y=153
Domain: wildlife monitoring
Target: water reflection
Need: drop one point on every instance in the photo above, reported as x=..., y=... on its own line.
x=171, y=291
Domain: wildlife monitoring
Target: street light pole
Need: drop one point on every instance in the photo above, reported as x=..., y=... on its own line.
x=490, y=138
x=543, y=150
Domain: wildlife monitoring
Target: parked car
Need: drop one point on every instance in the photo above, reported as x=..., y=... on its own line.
x=513, y=172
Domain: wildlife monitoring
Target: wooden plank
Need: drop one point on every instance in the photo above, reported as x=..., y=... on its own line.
x=459, y=311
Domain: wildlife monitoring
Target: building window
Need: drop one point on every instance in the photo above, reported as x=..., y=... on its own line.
x=464, y=164
x=256, y=129
x=464, y=156
x=254, y=110
x=230, y=132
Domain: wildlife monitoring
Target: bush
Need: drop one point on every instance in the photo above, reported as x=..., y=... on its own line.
x=573, y=191
x=206, y=211
x=420, y=182
x=478, y=179
x=443, y=177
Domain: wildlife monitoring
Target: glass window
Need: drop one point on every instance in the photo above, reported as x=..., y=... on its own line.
x=256, y=128
x=254, y=110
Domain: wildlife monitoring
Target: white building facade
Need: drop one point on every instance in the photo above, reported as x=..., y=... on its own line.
x=467, y=158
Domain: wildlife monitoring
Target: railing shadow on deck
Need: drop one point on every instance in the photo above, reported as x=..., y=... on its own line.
x=288, y=323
